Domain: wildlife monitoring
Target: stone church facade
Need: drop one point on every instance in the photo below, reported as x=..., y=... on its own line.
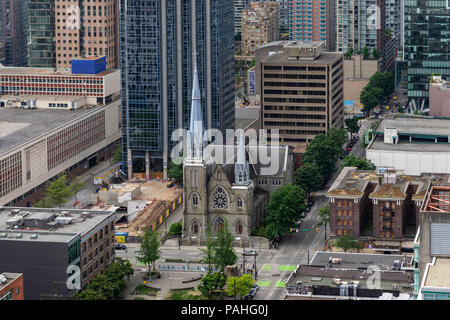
x=231, y=191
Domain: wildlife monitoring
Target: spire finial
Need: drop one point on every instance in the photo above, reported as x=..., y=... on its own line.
x=196, y=122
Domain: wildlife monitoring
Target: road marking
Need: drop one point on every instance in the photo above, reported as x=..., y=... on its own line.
x=287, y=268
x=266, y=267
x=264, y=283
x=280, y=284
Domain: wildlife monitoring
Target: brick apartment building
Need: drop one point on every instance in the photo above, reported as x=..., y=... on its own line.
x=11, y=286
x=377, y=206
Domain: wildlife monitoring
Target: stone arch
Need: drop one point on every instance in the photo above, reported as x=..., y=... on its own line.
x=195, y=226
x=239, y=226
x=194, y=199
x=219, y=223
x=240, y=202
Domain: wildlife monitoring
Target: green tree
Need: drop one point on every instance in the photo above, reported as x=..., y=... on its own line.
x=211, y=282
x=353, y=161
x=239, y=286
x=383, y=80
x=89, y=294
x=347, y=242
x=365, y=53
x=284, y=209
x=370, y=97
x=324, y=218
x=338, y=137
x=175, y=171
x=375, y=54
x=149, y=250
x=58, y=191
x=175, y=228
x=352, y=125
x=224, y=254
x=43, y=203
x=322, y=151
x=308, y=177
x=117, y=154
x=209, y=250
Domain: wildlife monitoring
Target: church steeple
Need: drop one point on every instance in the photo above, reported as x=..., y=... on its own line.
x=196, y=121
x=241, y=168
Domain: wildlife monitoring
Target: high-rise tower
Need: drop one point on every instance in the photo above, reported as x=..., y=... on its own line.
x=157, y=41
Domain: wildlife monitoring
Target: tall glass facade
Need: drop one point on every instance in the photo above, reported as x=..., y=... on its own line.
x=427, y=44
x=157, y=42
x=41, y=33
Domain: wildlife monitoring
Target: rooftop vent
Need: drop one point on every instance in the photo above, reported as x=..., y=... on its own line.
x=3, y=235
x=3, y=278
x=34, y=236
x=19, y=236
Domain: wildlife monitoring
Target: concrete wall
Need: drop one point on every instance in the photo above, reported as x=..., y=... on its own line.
x=413, y=163
x=439, y=102
x=112, y=134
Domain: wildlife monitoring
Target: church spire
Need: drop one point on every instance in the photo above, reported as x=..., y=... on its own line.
x=196, y=121
x=241, y=168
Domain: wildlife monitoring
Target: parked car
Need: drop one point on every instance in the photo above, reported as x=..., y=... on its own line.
x=348, y=149
x=120, y=246
x=308, y=209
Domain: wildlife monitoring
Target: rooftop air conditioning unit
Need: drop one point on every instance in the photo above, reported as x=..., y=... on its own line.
x=18, y=236
x=34, y=236
x=3, y=278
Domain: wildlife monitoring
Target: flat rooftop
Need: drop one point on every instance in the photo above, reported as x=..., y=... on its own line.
x=354, y=183
x=358, y=260
x=48, y=72
x=378, y=144
x=439, y=274
x=18, y=126
x=319, y=276
x=42, y=222
x=324, y=58
x=410, y=125
x=10, y=277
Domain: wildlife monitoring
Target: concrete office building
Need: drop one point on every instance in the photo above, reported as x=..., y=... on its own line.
x=86, y=28
x=62, y=30
x=42, y=244
x=260, y=25
x=426, y=49
x=412, y=145
x=54, y=121
x=13, y=25
x=314, y=21
x=302, y=91
x=11, y=286
x=157, y=73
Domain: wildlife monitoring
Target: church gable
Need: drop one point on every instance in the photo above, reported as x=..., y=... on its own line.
x=219, y=177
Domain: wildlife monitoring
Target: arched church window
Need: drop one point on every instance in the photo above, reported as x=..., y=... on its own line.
x=195, y=200
x=240, y=176
x=239, y=228
x=194, y=227
x=239, y=202
x=220, y=224
x=220, y=199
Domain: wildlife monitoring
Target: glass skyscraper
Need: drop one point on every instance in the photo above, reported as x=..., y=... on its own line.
x=427, y=44
x=157, y=42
